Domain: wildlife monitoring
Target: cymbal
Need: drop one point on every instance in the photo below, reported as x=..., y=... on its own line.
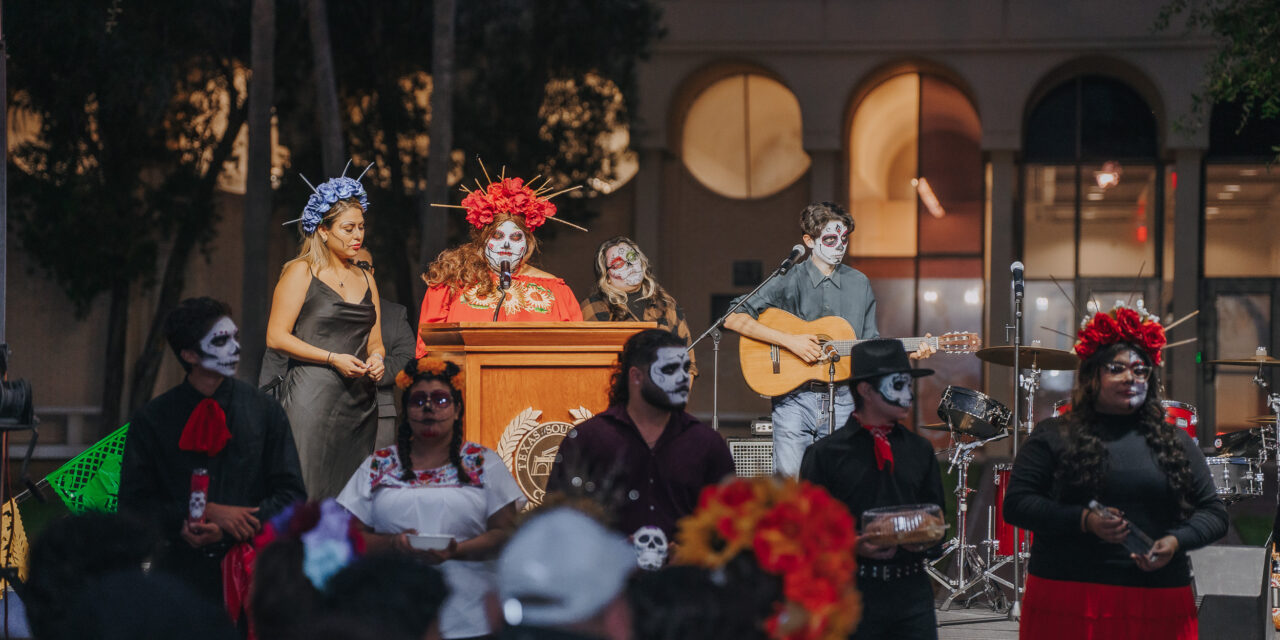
x=1267, y=418
x=1043, y=357
x=1254, y=361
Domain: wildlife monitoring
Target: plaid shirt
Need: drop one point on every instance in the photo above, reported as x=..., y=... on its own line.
x=595, y=308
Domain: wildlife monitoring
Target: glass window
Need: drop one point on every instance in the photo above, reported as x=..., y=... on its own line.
x=884, y=141
x=1050, y=320
x=1244, y=324
x=1240, y=220
x=1050, y=221
x=742, y=137
x=950, y=298
x=1116, y=222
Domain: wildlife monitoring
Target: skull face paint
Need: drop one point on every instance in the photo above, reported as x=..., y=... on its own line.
x=831, y=245
x=895, y=388
x=668, y=384
x=507, y=242
x=625, y=271
x=651, y=547
x=220, y=348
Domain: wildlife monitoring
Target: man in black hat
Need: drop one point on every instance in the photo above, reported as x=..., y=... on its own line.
x=876, y=462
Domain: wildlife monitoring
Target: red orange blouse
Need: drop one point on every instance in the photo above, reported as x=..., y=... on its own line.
x=530, y=299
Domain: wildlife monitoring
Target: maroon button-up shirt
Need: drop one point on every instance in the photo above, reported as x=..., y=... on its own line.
x=607, y=459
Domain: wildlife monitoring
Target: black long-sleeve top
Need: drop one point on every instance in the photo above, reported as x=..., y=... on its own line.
x=1133, y=483
x=258, y=467
x=844, y=463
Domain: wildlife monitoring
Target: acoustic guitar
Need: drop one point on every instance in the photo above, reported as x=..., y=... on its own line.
x=772, y=370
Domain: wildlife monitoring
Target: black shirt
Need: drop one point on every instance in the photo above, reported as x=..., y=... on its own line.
x=844, y=463
x=1133, y=483
x=643, y=486
x=257, y=468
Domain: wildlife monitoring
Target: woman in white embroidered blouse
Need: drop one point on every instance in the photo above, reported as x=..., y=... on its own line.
x=432, y=483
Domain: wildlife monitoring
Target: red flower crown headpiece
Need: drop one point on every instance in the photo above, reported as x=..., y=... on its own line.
x=511, y=196
x=1121, y=324
x=794, y=530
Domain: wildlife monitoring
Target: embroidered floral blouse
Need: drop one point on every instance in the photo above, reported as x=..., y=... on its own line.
x=435, y=503
x=530, y=299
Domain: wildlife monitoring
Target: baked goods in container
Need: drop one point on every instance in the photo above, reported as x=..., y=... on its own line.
x=904, y=524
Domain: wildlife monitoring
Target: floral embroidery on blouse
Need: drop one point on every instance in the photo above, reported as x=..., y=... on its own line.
x=385, y=470
x=521, y=296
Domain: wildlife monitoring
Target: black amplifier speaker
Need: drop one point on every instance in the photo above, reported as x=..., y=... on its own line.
x=752, y=456
x=1231, y=586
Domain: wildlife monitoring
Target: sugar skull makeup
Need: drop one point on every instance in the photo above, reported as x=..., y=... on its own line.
x=220, y=348
x=669, y=374
x=832, y=243
x=507, y=242
x=625, y=271
x=895, y=388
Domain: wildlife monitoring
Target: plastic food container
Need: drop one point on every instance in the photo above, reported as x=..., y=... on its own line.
x=905, y=524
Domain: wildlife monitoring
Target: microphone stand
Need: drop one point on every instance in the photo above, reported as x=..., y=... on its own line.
x=1015, y=608
x=714, y=332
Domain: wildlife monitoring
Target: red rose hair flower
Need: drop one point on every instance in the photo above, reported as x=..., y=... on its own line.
x=1121, y=324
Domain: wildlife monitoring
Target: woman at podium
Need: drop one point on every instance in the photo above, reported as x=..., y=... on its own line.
x=490, y=278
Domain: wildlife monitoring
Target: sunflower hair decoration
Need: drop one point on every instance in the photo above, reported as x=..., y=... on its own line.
x=1122, y=324
x=793, y=530
x=511, y=196
x=430, y=366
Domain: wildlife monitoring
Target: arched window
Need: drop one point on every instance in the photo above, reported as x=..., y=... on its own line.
x=1091, y=190
x=742, y=137
x=916, y=196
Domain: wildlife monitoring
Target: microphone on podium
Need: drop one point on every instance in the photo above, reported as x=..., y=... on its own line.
x=505, y=281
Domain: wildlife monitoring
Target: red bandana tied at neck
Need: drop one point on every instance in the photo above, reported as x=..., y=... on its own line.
x=880, y=436
x=206, y=430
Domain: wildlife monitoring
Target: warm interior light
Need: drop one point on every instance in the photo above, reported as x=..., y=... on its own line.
x=1109, y=175
x=928, y=198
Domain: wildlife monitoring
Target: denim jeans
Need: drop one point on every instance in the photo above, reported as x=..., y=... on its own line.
x=799, y=420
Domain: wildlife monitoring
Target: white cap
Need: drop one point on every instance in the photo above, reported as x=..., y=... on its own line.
x=560, y=568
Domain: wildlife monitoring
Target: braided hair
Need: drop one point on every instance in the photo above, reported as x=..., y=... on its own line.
x=1085, y=461
x=448, y=373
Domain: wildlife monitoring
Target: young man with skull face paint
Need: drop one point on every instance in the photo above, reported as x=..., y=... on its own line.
x=627, y=291
x=818, y=287
x=876, y=462
x=211, y=421
x=467, y=283
x=645, y=458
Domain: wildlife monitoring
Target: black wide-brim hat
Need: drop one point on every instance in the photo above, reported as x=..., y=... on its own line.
x=875, y=358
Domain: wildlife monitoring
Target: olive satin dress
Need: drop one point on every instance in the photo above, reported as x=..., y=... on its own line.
x=334, y=418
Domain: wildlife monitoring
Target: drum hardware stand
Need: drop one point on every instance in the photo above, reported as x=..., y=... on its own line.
x=714, y=332
x=968, y=561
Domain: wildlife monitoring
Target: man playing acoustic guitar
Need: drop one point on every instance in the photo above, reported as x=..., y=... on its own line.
x=818, y=287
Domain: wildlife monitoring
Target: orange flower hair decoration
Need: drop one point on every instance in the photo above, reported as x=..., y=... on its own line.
x=794, y=530
x=511, y=196
x=1121, y=324
x=430, y=366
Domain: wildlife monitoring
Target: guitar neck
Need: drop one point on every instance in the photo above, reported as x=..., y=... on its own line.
x=845, y=347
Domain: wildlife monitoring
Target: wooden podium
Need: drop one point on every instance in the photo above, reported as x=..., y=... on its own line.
x=528, y=383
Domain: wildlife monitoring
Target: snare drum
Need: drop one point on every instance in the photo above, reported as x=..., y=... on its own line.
x=1003, y=531
x=973, y=413
x=1235, y=478
x=1182, y=416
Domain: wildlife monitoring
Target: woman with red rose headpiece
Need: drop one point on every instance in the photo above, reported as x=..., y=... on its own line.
x=490, y=277
x=1092, y=574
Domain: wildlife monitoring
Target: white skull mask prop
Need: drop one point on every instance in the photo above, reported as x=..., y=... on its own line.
x=623, y=262
x=507, y=242
x=670, y=374
x=195, y=507
x=220, y=348
x=832, y=243
x=896, y=389
x=651, y=548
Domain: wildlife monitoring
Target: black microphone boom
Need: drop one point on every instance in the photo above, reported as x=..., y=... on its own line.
x=786, y=265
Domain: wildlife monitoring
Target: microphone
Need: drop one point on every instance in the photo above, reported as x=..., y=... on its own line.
x=1016, y=268
x=505, y=281
x=796, y=252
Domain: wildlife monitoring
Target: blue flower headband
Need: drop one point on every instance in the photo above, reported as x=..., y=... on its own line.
x=328, y=194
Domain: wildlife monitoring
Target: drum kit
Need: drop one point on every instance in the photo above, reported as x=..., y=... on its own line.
x=974, y=419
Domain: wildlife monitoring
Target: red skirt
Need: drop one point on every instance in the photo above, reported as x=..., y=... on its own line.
x=1053, y=609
